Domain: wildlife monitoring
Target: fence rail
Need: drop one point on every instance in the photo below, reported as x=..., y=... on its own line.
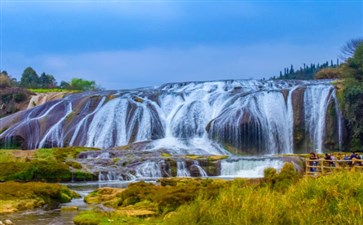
x=316, y=167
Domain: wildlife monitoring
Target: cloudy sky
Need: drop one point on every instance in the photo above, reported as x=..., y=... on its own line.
x=128, y=44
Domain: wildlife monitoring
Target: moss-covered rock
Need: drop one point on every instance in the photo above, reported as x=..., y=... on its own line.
x=22, y=196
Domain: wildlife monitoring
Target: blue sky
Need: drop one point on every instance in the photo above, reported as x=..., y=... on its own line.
x=128, y=44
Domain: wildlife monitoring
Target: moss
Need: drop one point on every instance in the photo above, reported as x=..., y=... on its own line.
x=93, y=217
x=107, y=196
x=70, y=116
x=20, y=196
x=88, y=218
x=194, y=157
x=36, y=170
x=61, y=154
x=74, y=164
x=82, y=176
x=217, y=157
x=165, y=155
x=139, y=100
x=115, y=160
x=4, y=129
x=69, y=208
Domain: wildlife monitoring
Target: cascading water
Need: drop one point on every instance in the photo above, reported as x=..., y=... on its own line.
x=202, y=172
x=55, y=133
x=182, y=170
x=202, y=118
x=149, y=169
x=248, y=167
x=316, y=100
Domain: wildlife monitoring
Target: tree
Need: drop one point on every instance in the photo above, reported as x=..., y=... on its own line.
x=348, y=50
x=29, y=78
x=4, y=80
x=353, y=95
x=64, y=85
x=356, y=63
x=82, y=85
x=47, y=81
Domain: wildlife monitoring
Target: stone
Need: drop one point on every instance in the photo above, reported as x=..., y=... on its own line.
x=8, y=222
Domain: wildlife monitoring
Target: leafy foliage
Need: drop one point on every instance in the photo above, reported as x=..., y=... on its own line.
x=4, y=80
x=353, y=96
x=83, y=85
x=45, y=82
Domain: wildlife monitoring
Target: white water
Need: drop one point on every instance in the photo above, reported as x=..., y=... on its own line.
x=316, y=100
x=248, y=168
x=149, y=170
x=55, y=133
x=200, y=169
x=182, y=170
x=84, y=120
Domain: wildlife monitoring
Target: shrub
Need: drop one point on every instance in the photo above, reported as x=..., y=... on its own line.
x=19, y=97
x=4, y=81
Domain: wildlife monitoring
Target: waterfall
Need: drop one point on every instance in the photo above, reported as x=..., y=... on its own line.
x=148, y=169
x=200, y=169
x=339, y=119
x=55, y=134
x=248, y=167
x=316, y=100
x=182, y=170
x=84, y=120
x=201, y=118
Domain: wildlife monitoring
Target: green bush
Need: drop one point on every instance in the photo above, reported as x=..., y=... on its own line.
x=19, y=97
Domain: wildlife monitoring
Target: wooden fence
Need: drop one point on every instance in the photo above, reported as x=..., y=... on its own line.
x=318, y=167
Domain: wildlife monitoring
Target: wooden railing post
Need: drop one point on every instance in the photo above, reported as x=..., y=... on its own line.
x=321, y=166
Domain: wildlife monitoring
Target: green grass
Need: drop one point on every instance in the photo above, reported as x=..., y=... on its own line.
x=47, y=90
x=6, y=156
x=92, y=217
x=60, y=154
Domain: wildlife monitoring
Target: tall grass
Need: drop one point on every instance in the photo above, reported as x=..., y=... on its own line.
x=333, y=199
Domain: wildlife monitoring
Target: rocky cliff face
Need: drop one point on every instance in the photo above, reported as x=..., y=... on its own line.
x=13, y=100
